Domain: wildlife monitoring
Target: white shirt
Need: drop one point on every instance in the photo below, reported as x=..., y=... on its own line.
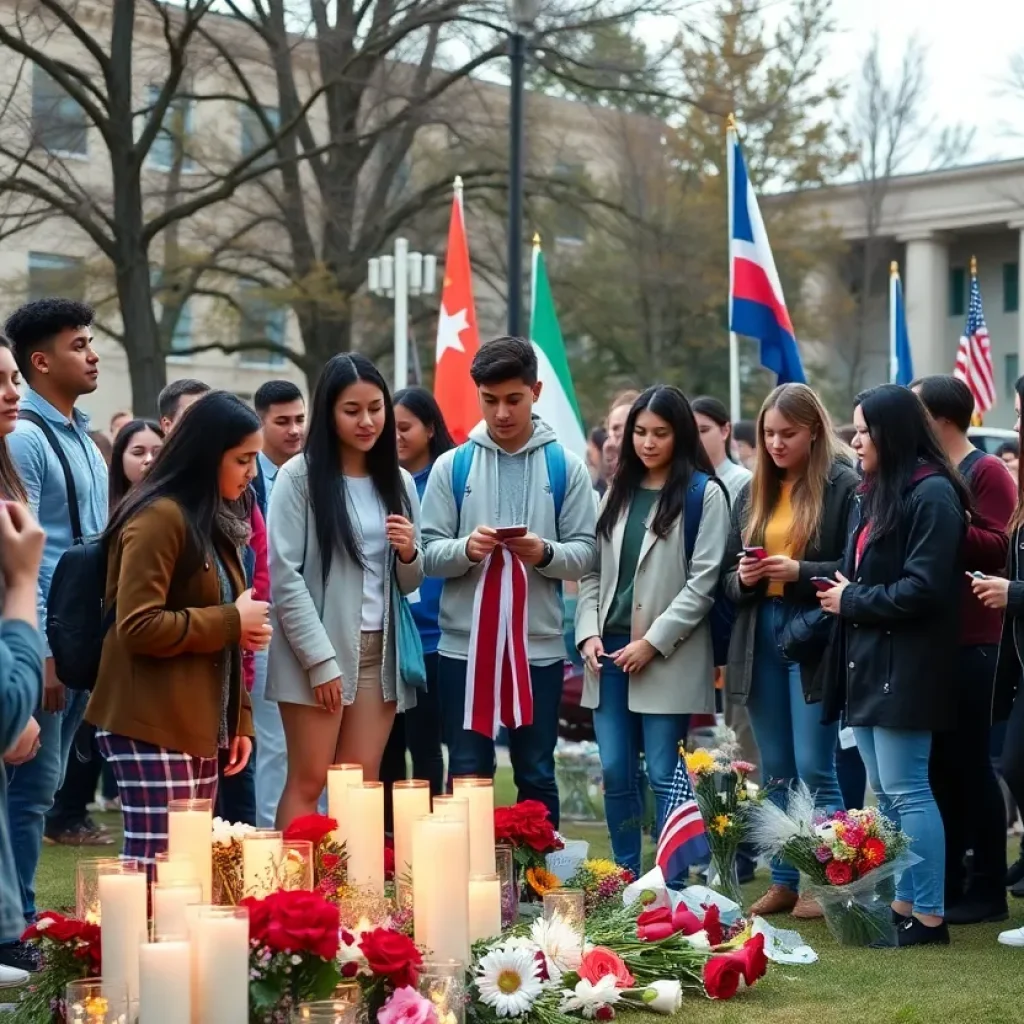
x=734, y=476
x=367, y=513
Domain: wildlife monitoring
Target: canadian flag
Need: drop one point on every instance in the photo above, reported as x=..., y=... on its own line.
x=457, y=336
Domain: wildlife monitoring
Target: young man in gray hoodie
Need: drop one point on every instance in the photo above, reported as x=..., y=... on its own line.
x=508, y=484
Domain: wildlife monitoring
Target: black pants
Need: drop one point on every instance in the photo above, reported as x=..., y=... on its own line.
x=1011, y=763
x=965, y=786
x=418, y=731
x=853, y=776
x=71, y=801
x=236, y=794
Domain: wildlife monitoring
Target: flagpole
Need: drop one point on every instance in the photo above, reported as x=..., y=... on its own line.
x=894, y=276
x=533, y=283
x=734, y=344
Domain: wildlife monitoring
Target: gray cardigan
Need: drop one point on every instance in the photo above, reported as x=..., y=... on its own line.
x=317, y=628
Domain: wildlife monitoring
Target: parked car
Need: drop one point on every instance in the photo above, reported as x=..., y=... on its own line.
x=988, y=439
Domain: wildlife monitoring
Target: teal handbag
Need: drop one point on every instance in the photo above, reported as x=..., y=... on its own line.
x=411, y=665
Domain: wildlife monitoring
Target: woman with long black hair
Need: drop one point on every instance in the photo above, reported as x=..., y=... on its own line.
x=342, y=536
x=641, y=617
x=891, y=670
x=136, y=445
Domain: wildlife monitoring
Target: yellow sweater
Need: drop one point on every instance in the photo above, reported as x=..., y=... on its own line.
x=776, y=533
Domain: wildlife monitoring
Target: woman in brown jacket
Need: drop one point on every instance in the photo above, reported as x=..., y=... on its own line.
x=169, y=694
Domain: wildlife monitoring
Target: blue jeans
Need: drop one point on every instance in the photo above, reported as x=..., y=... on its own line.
x=621, y=734
x=532, y=748
x=30, y=791
x=793, y=742
x=897, y=766
x=271, y=755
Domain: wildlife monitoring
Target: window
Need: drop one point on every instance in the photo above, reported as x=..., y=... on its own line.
x=957, y=291
x=172, y=140
x=50, y=274
x=261, y=320
x=1011, y=371
x=59, y=124
x=570, y=221
x=1011, y=287
x=181, y=339
x=254, y=135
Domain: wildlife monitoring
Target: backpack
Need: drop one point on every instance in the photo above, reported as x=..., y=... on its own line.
x=77, y=619
x=554, y=458
x=967, y=464
x=723, y=611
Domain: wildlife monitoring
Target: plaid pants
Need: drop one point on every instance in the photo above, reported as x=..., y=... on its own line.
x=148, y=777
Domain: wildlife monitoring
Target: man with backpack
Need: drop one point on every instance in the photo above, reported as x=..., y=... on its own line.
x=65, y=478
x=507, y=517
x=960, y=767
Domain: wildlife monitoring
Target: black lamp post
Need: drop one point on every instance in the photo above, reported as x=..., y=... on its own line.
x=523, y=14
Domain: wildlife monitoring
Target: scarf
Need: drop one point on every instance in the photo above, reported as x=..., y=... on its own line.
x=498, y=690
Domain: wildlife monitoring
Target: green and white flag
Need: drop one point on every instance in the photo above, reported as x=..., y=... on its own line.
x=557, y=403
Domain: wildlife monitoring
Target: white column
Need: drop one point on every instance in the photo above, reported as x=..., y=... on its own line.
x=926, y=287
x=1020, y=299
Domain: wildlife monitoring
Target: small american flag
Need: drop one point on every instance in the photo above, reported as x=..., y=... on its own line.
x=683, y=840
x=974, y=356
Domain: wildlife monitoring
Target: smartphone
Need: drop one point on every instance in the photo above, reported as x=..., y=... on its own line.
x=823, y=582
x=757, y=553
x=510, y=532
x=975, y=575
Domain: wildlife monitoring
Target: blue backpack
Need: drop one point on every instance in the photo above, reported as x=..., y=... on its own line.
x=723, y=611
x=554, y=458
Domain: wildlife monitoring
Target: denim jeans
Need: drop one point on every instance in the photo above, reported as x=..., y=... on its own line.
x=532, y=747
x=897, y=764
x=271, y=755
x=31, y=788
x=621, y=734
x=792, y=741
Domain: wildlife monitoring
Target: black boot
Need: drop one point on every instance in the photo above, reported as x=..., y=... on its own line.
x=1016, y=873
x=914, y=933
x=978, y=908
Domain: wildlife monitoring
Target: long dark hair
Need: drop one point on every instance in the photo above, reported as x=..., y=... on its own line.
x=11, y=487
x=423, y=405
x=187, y=470
x=688, y=455
x=904, y=441
x=323, y=459
x=120, y=485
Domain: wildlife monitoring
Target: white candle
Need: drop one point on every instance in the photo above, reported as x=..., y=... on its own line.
x=339, y=778
x=190, y=837
x=479, y=794
x=262, y=851
x=175, y=869
x=124, y=929
x=222, y=960
x=440, y=849
x=484, y=907
x=366, y=841
x=169, y=902
x=165, y=983
x=192, y=912
x=411, y=800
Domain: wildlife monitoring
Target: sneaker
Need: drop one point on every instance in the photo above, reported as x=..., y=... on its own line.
x=1014, y=937
x=972, y=910
x=915, y=933
x=20, y=956
x=779, y=899
x=80, y=835
x=807, y=909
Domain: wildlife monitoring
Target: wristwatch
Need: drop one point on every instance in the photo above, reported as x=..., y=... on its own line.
x=549, y=553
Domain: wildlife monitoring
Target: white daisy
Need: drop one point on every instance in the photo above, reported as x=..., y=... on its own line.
x=560, y=943
x=507, y=981
x=589, y=997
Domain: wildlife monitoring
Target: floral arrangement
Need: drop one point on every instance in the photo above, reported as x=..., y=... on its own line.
x=70, y=950
x=526, y=827
x=383, y=961
x=406, y=1006
x=329, y=862
x=227, y=839
x=602, y=882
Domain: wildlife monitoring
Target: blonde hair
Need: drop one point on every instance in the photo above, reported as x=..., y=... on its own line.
x=800, y=406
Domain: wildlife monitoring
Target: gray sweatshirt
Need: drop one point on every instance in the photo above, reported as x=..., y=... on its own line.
x=508, y=490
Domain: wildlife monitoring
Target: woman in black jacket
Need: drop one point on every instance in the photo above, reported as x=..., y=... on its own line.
x=892, y=659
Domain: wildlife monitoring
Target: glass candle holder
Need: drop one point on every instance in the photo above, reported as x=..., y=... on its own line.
x=189, y=837
x=444, y=984
x=295, y=869
x=363, y=907
x=505, y=865
x=567, y=904
x=88, y=1001
x=169, y=900
x=484, y=906
x=328, y=1011
x=174, y=869
x=87, y=884
x=456, y=807
x=411, y=800
x=261, y=857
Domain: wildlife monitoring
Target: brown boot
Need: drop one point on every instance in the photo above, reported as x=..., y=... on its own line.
x=807, y=909
x=779, y=899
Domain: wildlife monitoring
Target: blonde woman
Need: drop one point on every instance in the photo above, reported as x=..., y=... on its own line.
x=788, y=527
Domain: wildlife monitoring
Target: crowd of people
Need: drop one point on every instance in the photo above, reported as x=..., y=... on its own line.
x=263, y=565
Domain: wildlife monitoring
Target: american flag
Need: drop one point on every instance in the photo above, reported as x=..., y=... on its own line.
x=683, y=840
x=974, y=357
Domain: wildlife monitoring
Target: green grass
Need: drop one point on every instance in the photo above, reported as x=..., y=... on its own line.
x=974, y=981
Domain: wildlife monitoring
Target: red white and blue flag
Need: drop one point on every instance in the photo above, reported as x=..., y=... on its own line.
x=974, y=356
x=684, y=839
x=757, y=308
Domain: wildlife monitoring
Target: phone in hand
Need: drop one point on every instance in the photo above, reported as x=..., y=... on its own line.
x=975, y=575
x=823, y=582
x=755, y=552
x=510, y=532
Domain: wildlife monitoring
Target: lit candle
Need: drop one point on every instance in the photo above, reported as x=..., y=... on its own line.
x=484, y=906
x=189, y=837
x=165, y=983
x=124, y=929
x=411, y=800
x=366, y=843
x=339, y=778
x=222, y=959
x=262, y=851
x=440, y=849
x=479, y=794
x=169, y=902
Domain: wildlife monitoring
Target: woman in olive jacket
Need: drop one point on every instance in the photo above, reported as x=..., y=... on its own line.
x=891, y=663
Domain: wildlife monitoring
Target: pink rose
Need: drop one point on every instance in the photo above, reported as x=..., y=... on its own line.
x=407, y=1006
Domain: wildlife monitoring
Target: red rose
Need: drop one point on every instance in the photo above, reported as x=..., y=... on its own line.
x=752, y=956
x=311, y=827
x=838, y=872
x=295, y=922
x=713, y=925
x=330, y=861
x=600, y=962
x=604, y=1013
x=389, y=863
x=722, y=976
x=526, y=824
x=392, y=955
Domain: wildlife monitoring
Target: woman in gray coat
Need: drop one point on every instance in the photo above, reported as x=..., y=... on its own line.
x=642, y=615
x=343, y=543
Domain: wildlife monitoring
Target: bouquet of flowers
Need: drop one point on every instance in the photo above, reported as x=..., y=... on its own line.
x=847, y=858
x=722, y=792
x=602, y=882
x=227, y=839
x=329, y=861
x=526, y=827
x=384, y=962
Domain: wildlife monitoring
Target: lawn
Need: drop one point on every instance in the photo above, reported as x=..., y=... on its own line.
x=974, y=981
